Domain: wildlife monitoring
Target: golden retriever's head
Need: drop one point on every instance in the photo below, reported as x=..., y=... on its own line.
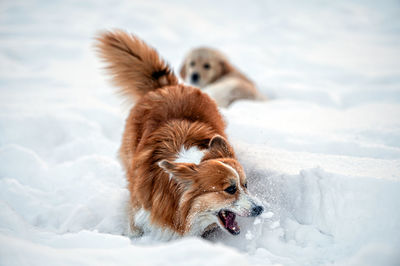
x=203, y=66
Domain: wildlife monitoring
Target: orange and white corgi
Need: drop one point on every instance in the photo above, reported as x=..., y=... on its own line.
x=183, y=176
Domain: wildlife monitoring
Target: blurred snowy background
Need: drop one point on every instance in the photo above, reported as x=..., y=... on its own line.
x=323, y=154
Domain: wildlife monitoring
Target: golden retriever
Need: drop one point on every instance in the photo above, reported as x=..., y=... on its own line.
x=211, y=71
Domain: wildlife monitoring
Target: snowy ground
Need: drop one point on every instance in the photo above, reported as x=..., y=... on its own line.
x=323, y=154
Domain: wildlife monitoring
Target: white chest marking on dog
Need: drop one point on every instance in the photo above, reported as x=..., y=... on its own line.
x=191, y=155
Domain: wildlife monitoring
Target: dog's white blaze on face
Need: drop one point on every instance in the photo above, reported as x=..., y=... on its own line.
x=191, y=155
x=245, y=203
x=235, y=173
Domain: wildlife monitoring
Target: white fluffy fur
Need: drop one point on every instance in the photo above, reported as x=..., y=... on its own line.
x=222, y=91
x=191, y=155
x=142, y=219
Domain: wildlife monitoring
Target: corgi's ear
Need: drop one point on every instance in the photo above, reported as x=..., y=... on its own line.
x=220, y=148
x=183, y=172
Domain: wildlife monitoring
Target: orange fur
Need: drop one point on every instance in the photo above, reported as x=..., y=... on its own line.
x=166, y=117
x=130, y=60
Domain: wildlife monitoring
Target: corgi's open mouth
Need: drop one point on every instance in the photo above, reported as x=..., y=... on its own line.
x=227, y=221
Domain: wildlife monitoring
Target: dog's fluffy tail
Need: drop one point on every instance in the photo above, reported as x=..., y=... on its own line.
x=136, y=68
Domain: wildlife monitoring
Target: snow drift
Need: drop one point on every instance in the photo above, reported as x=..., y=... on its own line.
x=323, y=154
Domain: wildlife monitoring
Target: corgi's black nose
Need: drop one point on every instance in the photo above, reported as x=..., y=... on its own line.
x=195, y=77
x=257, y=210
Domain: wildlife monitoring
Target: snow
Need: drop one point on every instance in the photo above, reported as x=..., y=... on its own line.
x=323, y=155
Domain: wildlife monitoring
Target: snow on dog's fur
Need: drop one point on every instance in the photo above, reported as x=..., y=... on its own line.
x=183, y=175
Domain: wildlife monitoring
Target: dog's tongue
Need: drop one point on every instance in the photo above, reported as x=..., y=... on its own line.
x=231, y=224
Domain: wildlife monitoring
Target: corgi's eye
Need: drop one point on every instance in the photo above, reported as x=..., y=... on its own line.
x=231, y=189
x=206, y=66
x=192, y=63
x=245, y=185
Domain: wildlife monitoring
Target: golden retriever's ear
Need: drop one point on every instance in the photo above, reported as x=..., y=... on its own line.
x=226, y=67
x=182, y=72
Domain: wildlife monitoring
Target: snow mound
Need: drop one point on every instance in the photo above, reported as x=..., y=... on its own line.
x=323, y=155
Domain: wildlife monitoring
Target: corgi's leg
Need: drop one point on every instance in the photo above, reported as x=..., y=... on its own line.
x=133, y=230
